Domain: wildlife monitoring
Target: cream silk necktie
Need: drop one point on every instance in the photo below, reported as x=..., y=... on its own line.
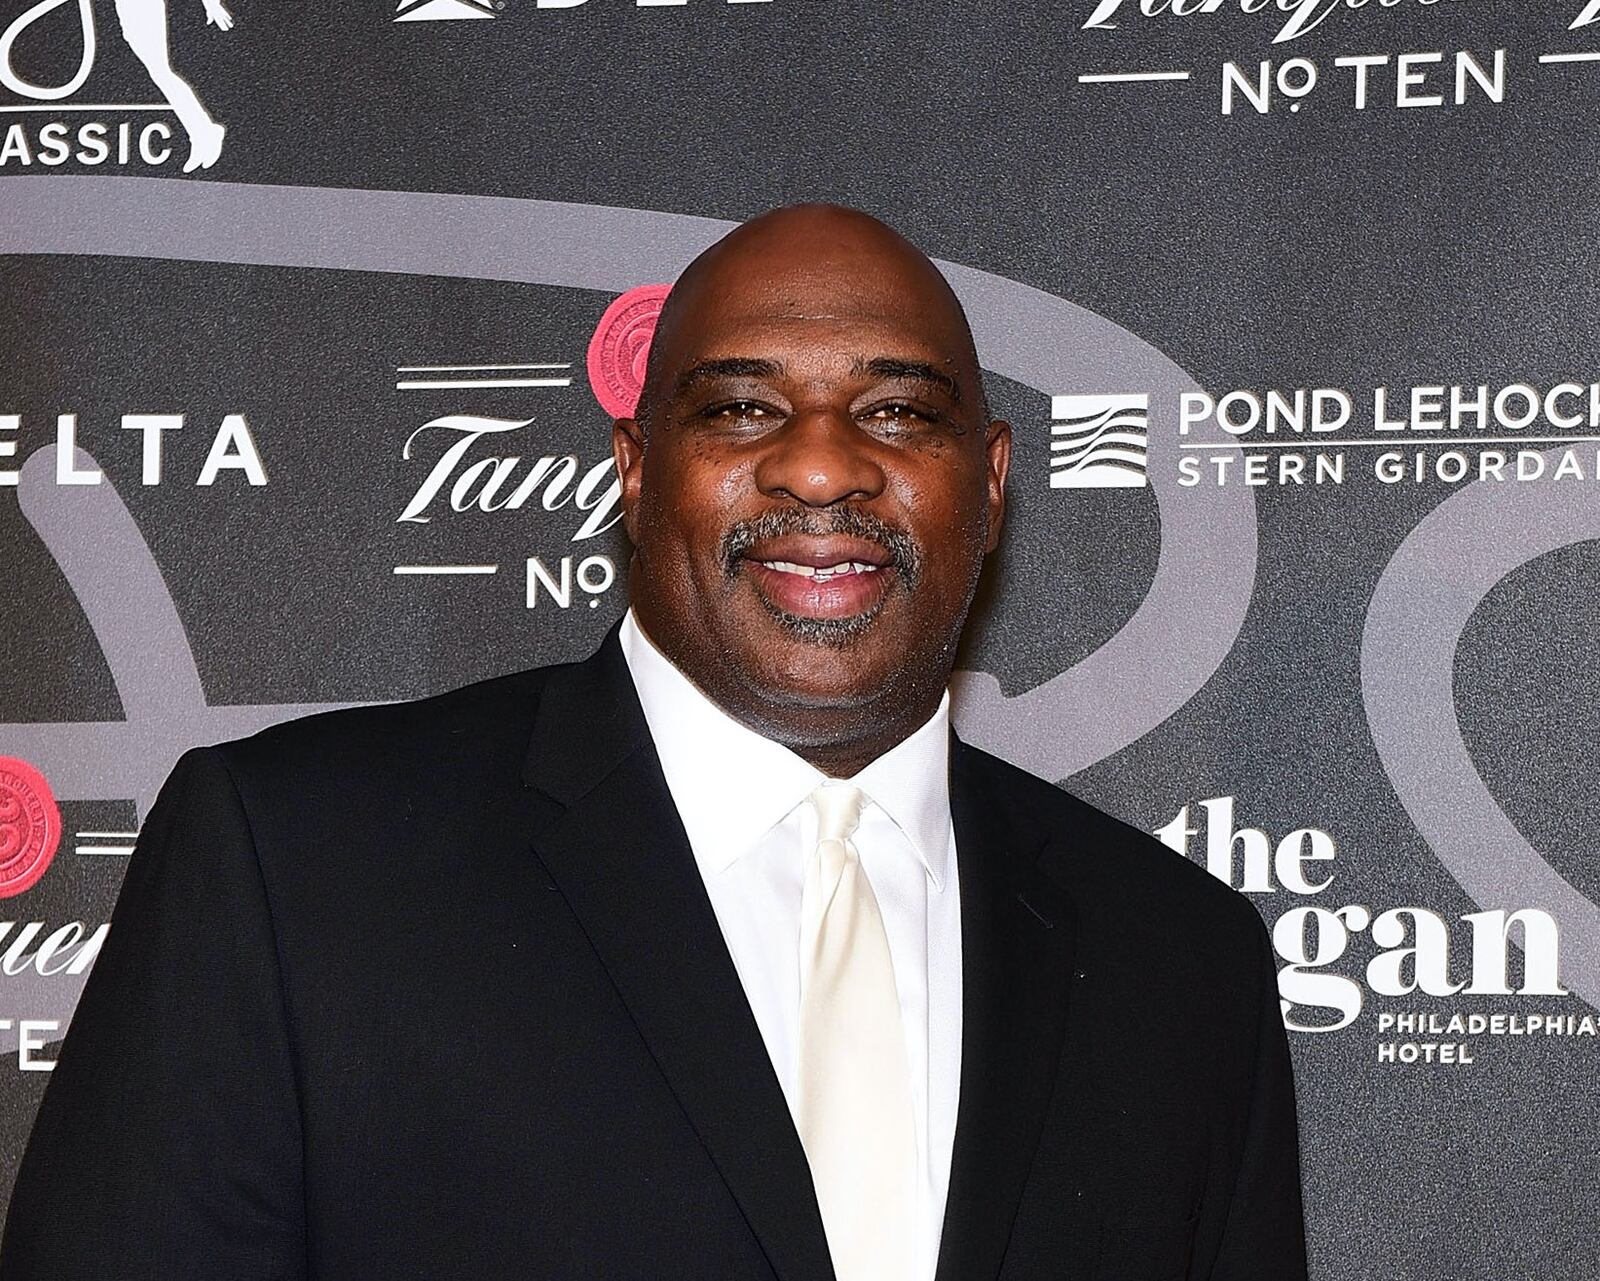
x=855, y=1113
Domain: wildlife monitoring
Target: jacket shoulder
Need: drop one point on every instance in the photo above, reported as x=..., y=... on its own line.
x=482, y=726
x=1113, y=867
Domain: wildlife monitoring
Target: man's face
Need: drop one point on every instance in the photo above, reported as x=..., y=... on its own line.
x=815, y=487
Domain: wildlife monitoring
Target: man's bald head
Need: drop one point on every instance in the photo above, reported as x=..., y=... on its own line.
x=808, y=261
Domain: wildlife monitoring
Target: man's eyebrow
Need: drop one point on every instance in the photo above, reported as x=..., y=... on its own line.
x=911, y=371
x=726, y=367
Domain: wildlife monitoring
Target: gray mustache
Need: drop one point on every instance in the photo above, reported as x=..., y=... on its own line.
x=904, y=555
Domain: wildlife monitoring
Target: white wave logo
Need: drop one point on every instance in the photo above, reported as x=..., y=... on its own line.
x=1099, y=442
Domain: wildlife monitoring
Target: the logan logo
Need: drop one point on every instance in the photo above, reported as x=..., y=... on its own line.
x=1099, y=442
x=143, y=24
x=441, y=10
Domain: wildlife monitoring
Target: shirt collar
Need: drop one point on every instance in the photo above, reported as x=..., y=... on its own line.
x=731, y=785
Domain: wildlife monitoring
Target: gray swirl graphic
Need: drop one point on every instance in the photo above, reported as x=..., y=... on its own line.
x=1205, y=572
x=1419, y=609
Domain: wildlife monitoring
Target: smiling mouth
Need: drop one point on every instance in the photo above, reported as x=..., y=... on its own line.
x=824, y=577
x=836, y=591
x=822, y=573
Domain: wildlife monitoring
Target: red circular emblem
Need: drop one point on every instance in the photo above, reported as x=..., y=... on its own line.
x=620, y=347
x=30, y=826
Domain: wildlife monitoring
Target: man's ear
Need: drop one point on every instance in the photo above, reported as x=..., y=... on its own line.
x=997, y=456
x=627, y=451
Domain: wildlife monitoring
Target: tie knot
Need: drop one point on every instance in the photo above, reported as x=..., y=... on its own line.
x=838, y=810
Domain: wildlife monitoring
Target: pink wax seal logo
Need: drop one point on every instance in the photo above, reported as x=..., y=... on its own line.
x=30, y=826
x=620, y=347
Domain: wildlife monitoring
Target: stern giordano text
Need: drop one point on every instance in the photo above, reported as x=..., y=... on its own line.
x=1437, y=433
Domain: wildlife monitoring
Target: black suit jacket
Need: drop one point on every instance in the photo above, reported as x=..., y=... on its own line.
x=434, y=989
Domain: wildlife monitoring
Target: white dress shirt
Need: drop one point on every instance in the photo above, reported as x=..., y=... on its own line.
x=743, y=802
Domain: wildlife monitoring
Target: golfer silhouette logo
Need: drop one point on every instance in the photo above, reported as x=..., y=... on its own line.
x=144, y=27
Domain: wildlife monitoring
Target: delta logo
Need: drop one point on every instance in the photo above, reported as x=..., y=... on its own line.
x=442, y=10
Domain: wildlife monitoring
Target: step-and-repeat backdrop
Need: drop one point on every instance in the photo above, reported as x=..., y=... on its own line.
x=308, y=334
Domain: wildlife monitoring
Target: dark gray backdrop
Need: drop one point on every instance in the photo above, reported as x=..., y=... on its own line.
x=1123, y=237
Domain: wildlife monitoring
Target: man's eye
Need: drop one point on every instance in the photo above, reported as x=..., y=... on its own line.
x=739, y=409
x=897, y=411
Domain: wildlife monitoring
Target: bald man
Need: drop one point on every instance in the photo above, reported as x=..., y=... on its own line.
x=715, y=955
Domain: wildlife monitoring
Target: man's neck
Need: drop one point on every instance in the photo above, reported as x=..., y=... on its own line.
x=838, y=741
x=847, y=759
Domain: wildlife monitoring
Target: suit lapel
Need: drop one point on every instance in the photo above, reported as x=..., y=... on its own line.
x=1018, y=932
x=615, y=847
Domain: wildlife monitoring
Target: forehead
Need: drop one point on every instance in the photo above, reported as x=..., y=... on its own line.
x=823, y=308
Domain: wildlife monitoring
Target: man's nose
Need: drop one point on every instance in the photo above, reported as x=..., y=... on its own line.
x=820, y=457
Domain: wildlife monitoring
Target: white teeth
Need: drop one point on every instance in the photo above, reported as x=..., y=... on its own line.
x=824, y=573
